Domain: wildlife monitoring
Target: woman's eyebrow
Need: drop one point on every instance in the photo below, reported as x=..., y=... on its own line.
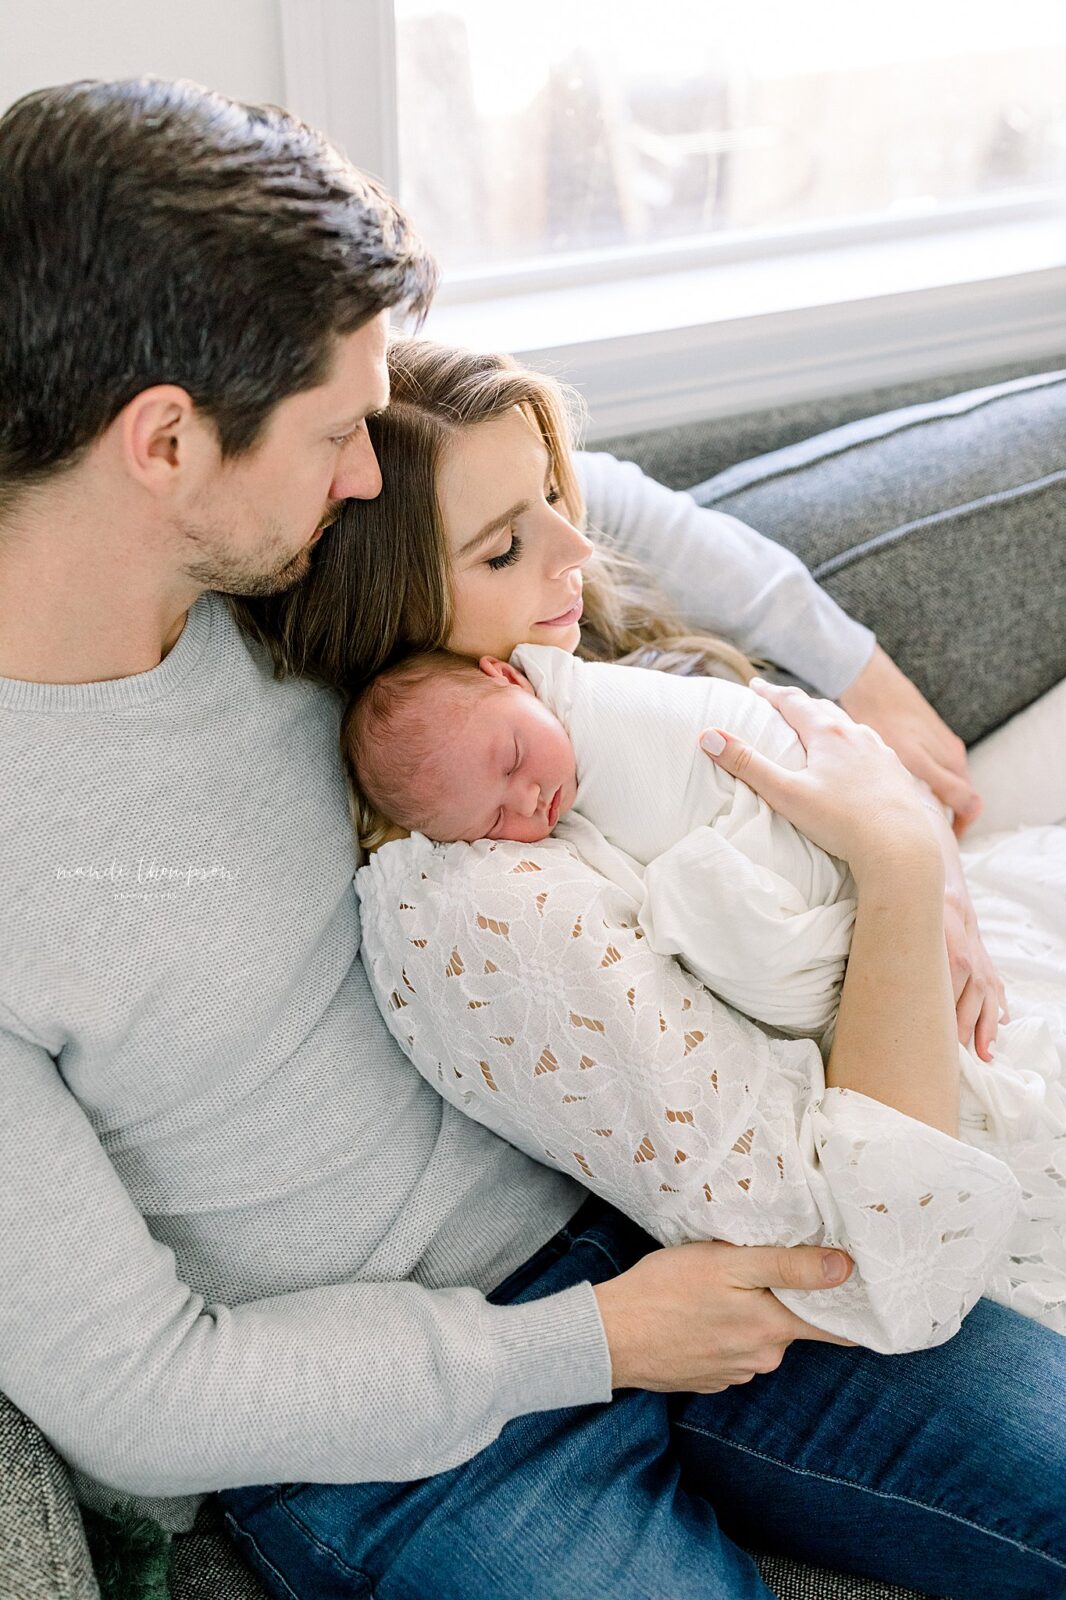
x=494, y=526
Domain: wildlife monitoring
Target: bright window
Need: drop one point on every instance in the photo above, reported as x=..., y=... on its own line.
x=530, y=133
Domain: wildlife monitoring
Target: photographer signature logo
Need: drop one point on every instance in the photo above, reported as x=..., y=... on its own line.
x=147, y=879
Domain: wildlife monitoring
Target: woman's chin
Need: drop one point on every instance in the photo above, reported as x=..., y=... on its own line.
x=567, y=637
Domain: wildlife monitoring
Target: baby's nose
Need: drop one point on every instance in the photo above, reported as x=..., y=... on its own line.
x=531, y=800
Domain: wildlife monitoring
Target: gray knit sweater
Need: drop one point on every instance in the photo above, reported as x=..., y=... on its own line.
x=241, y=1239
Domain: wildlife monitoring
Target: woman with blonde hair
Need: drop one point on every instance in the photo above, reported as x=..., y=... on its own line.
x=379, y=586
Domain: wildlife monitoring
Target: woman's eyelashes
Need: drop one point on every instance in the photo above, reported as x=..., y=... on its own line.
x=509, y=556
x=552, y=496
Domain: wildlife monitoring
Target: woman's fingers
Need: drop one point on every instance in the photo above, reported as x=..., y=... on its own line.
x=739, y=759
x=886, y=700
x=954, y=791
x=987, y=1026
x=800, y=710
x=968, y=1008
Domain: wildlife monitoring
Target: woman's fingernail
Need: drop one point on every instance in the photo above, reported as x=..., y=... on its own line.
x=756, y=679
x=712, y=742
x=834, y=1267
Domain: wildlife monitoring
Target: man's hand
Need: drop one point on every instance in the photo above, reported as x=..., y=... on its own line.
x=889, y=703
x=697, y=1318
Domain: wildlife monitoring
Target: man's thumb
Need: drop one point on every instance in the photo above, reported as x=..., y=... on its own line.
x=803, y=1266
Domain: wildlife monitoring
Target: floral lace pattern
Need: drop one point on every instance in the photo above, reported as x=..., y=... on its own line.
x=518, y=981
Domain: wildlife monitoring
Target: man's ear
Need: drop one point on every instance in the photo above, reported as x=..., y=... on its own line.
x=159, y=433
x=503, y=672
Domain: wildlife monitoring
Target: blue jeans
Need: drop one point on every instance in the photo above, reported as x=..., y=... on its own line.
x=945, y=1471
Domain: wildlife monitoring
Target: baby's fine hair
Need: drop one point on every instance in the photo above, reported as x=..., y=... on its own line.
x=391, y=737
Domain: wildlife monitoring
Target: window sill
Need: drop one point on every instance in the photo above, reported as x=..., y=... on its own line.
x=660, y=350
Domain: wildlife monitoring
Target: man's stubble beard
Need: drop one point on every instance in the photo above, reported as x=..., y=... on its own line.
x=215, y=567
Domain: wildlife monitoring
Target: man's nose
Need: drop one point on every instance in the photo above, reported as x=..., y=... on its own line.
x=358, y=475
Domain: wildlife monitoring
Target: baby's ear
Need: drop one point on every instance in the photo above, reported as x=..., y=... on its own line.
x=503, y=672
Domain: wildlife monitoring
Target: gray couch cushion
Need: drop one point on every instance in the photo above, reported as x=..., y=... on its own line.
x=205, y=1565
x=791, y=1580
x=43, y=1553
x=941, y=526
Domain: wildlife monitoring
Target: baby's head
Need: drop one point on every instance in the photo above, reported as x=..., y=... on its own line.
x=460, y=750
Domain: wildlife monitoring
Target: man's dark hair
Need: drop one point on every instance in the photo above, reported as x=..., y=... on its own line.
x=158, y=232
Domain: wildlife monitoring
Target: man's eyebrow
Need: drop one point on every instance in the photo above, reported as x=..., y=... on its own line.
x=494, y=526
x=356, y=417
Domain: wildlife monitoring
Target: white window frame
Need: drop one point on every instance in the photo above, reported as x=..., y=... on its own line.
x=697, y=328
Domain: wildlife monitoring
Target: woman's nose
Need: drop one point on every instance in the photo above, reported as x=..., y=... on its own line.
x=357, y=475
x=572, y=550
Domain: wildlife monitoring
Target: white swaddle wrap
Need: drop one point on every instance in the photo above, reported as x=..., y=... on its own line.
x=741, y=897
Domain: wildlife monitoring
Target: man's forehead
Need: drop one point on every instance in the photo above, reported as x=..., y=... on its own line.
x=358, y=380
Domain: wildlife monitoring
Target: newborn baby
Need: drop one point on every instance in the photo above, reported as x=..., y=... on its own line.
x=511, y=750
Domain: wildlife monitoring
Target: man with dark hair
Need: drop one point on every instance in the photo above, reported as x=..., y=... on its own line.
x=242, y=1242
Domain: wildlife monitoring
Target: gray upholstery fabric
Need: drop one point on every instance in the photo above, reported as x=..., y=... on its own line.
x=941, y=526
x=43, y=1553
x=205, y=1565
x=690, y=452
x=790, y=1580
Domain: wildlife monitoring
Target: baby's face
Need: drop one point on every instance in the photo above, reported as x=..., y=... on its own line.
x=508, y=769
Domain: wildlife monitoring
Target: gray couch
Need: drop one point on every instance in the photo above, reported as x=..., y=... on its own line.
x=943, y=526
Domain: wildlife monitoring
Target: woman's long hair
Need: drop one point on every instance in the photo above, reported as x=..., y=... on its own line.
x=378, y=585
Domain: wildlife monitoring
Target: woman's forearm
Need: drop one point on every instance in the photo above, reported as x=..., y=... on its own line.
x=895, y=1035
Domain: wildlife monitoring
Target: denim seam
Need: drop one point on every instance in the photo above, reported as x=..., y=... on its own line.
x=862, y=444
x=320, y=1544
x=590, y=1238
x=881, y=1494
x=892, y=536
x=238, y=1531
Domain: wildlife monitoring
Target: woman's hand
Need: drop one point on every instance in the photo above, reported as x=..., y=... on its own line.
x=980, y=1002
x=854, y=797
x=980, y=999
x=887, y=701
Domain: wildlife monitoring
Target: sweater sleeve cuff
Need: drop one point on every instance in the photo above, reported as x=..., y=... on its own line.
x=551, y=1352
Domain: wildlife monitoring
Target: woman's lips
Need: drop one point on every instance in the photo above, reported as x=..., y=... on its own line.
x=566, y=619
